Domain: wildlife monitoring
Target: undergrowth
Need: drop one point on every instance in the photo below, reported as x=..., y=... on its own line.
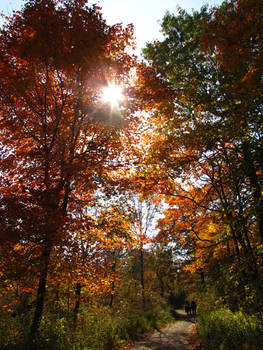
x=96, y=329
x=226, y=330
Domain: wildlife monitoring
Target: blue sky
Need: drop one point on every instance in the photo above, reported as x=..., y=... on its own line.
x=144, y=14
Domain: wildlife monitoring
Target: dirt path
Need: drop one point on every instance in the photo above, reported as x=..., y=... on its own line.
x=172, y=337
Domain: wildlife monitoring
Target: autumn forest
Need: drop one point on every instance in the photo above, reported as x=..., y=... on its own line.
x=130, y=186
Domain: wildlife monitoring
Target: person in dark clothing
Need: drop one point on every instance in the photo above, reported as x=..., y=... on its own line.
x=193, y=307
x=187, y=308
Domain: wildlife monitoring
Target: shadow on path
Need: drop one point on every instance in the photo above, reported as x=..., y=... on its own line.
x=180, y=315
x=172, y=337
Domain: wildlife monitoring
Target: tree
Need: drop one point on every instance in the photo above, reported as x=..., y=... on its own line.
x=58, y=140
x=143, y=212
x=140, y=215
x=244, y=68
x=206, y=135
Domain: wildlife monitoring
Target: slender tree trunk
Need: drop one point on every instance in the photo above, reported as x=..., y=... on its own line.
x=235, y=243
x=57, y=308
x=161, y=286
x=252, y=258
x=112, y=295
x=40, y=295
x=228, y=248
x=68, y=300
x=255, y=186
x=142, y=277
x=76, y=309
x=242, y=241
x=113, y=283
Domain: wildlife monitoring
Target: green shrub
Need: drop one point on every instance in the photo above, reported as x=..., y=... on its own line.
x=225, y=330
x=159, y=316
x=97, y=328
x=13, y=330
x=54, y=334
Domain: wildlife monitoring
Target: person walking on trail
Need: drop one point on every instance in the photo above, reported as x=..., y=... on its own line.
x=187, y=308
x=193, y=307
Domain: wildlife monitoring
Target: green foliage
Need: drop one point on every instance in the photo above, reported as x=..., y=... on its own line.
x=178, y=56
x=98, y=328
x=104, y=330
x=230, y=286
x=13, y=330
x=225, y=330
x=209, y=299
x=54, y=333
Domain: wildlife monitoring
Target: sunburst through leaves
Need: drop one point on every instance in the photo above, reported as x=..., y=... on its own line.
x=112, y=94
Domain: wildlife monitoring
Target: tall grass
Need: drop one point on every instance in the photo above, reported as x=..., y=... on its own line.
x=226, y=330
x=97, y=329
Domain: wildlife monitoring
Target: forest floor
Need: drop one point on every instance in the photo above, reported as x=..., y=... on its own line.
x=174, y=336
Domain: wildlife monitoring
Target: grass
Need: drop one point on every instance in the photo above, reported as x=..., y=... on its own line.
x=226, y=330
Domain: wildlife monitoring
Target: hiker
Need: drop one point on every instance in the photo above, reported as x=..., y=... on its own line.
x=187, y=308
x=193, y=308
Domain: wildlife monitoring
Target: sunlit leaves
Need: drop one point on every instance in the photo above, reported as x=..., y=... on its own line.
x=59, y=143
x=205, y=134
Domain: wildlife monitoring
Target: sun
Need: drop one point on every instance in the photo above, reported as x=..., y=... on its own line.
x=112, y=94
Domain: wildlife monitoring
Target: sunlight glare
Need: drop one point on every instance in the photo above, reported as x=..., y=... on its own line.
x=112, y=94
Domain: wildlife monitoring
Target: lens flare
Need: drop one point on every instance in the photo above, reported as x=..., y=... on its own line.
x=112, y=94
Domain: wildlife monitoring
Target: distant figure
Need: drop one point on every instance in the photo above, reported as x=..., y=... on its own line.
x=187, y=308
x=193, y=307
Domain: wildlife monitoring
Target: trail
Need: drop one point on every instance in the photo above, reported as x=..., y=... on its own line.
x=172, y=337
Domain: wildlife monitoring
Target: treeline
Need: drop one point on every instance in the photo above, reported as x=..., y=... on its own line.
x=78, y=316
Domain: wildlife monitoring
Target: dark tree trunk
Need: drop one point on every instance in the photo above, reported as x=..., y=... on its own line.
x=40, y=295
x=228, y=248
x=255, y=186
x=142, y=277
x=161, y=286
x=252, y=258
x=76, y=309
x=113, y=283
x=235, y=243
x=112, y=295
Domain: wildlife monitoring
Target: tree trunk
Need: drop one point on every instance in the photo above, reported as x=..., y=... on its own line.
x=57, y=308
x=161, y=285
x=112, y=294
x=252, y=258
x=255, y=186
x=76, y=309
x=40, y=295
x=235, y=243
x=142, y=277
x=113, y=283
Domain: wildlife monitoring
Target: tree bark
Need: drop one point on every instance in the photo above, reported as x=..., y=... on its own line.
x=142, y=277
x=255, y=186
x=76, y=309
x=112, y=294
x=113, y=284
x=235, y=243
x=40, y=295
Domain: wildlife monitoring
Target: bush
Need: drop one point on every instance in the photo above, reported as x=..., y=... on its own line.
x=159, y=316
x=97, y=328
x=13, y=330
x=54, y=334
x=225, y=330
x=104, y=330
